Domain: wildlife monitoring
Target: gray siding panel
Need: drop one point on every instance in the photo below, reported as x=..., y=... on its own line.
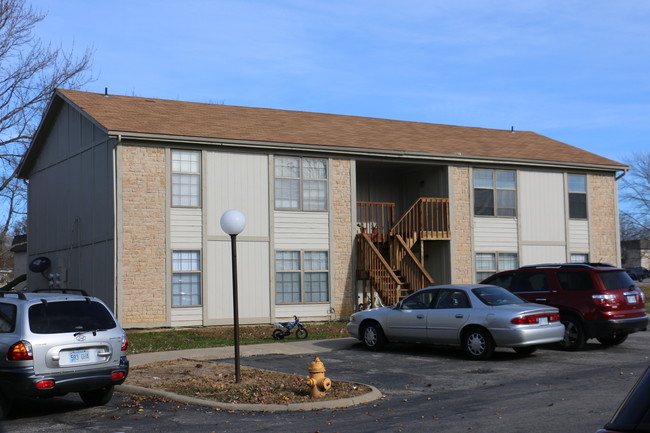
x=71, y=206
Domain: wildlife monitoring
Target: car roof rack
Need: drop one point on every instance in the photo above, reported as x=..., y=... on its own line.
x=589, y=265
x=20, y=295
x=61, y=290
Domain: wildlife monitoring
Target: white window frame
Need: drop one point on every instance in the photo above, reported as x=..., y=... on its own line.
x=303, y=273
x=186, y=178
x=572, y=191
x=186, y=271
x=495, y=189
x=499, y=264
x=295, y=181
x=579, y=258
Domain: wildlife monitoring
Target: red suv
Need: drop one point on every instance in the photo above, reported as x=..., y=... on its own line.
x=596, y=300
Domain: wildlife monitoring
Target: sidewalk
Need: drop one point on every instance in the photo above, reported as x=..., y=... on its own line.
x=297, y=347
x=303, y=347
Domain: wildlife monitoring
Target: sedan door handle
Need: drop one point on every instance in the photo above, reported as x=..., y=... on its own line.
x=420, y=316
x=540, y=300
x=459, y=316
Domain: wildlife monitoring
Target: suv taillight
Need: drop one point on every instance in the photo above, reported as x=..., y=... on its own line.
x=533, y=319
x=125, y=343
x=20, y=351
x=605, y=300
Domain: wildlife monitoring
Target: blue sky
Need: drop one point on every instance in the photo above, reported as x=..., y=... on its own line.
x=576, y=71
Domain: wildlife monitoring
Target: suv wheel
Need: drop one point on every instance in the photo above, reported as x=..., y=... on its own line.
x=574, y=335
x=97, y=397
x=612, y=340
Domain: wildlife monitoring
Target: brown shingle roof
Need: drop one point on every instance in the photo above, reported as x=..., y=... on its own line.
x=128, y=114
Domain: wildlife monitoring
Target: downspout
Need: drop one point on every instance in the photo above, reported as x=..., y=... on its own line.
x=617, y=218
x=116, y=292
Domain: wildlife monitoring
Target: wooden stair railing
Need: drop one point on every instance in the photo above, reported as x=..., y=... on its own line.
x=410, y=267
x=382, y=277
x=376, y=218
x=426, y=219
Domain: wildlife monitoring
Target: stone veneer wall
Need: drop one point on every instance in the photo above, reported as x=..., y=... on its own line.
x=342, y=237
x=461, y=226
x=603, y=222
x=142, y=239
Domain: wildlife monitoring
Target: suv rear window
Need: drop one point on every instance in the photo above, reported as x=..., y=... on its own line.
x=7, y=317
x=616, y=280
x=69, y=316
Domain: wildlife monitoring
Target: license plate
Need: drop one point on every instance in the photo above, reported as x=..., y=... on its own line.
x=631, y=299
x=79, y=356
x=543, y=320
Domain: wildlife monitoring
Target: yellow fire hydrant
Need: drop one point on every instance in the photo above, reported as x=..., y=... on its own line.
x=317, y=380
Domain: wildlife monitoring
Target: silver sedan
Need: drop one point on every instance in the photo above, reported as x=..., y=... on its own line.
x=476, y=317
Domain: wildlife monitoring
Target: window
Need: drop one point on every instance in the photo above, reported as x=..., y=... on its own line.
x=448, y=298
x=7, y=317
x=577, y=196
x=300, y=183
x=69, y=316
x=575, y=281
x=494, y=192
x=491, y=263
x=420, y=300
x=533, y=281
x=579, y=258
x=301, y=276
x=186, y=278
x=186, y=178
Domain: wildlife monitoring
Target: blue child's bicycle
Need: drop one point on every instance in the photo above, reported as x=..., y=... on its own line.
x=285, y=328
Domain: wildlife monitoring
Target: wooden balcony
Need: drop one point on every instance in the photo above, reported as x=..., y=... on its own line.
x=384, y=256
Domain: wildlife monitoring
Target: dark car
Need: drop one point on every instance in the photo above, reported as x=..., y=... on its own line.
x=633, y=415
x=637, y=273
x=596, y=300
x=56, y=343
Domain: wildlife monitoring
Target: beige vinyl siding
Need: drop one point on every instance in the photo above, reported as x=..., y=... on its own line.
x=185, y=228
x=536, y=254
x=303, y=311
x=186, y=316
x=236, y=181
x=254, y=293
x=579, y=236
x=301, y=230
x=495, y=234
x=541, y=207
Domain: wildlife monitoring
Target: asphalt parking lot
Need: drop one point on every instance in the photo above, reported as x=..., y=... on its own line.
x=424, y=388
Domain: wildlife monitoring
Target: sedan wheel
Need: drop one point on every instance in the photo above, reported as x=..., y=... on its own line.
x=373, y=336
x=478, y=343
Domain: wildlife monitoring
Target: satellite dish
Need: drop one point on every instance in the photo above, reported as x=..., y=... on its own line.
x=39, y=264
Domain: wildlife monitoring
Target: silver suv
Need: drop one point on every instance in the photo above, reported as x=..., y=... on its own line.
x=55, y=343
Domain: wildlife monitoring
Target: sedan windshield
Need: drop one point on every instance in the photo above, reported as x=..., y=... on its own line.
x=492, y=296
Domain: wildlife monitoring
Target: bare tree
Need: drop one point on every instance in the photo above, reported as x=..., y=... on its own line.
x=30, y=71
x=635, y=197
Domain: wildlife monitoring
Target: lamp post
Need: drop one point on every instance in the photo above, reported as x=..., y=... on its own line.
x=233, y=222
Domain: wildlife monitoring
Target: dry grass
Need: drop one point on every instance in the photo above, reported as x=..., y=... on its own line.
x=216, y=381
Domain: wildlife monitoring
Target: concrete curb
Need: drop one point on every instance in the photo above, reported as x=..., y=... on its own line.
x=299, y=347
x=374, y=394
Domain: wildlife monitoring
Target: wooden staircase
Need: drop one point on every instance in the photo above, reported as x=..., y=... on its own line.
x=386, y=261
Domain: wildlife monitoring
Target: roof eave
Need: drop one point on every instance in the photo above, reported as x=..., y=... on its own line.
x=363, y=152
